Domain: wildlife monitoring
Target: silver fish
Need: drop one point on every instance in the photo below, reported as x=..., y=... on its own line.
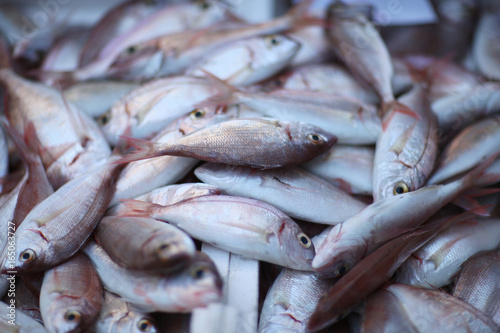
x=197, y=285
x=248, y=61
x=144, y=244
x=244, y=226
x=436, y=263
x=259, y=143
x=407, y=148
x=478, y=283
x=294, y=191
x=349, y=168
x=71, y=296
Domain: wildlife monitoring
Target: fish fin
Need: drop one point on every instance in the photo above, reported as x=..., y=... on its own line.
x=472, y=205
x=145, y=149
x=137, y=208
x=390, y=109
x=123, y=145
x=225, y=95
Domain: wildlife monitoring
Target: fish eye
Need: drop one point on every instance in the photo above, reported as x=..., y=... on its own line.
x=131, y=49
x=27, y=256
x=144, y=325
x=197, y=114
x=72, y=316
x=104, y=119
x=315, y=138
x=304, y=240
x=400, y=188
x=198, y=272
x=395, y=276
x=341, y=270
x=203, y=5
x=272, y=40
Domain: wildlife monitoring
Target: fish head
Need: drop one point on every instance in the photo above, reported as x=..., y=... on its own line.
x=199, y=118
x=31, y=248
x=312, y=139
x=396, y=178
x=203, y=13
x=115, y=123
x=63, y=315
x=298, y=249
x=338, y=253
x=171, y=249
x=138, y=62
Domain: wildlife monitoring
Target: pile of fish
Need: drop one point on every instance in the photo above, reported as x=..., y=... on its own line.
x=361, y=171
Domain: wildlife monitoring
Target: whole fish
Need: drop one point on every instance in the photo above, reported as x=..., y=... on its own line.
x=167, y=195
x=244, y=226
x=294, y=191
x=259, y=143
x=485, y=50
x=472, y=145
x=436, y=263
x=154, y=105
x=144, y=244
x=406, y=150
x=357, y=42
x=349, y=168
x=478, y=283
x=96, y=97
x=56, y=228
x=21, y=324
x=71, y=296
x=197, y=285
x=352, y=240
x=352, y=121
x=69, y=141
x=140, y=177
x=248, y=61
x=120, y=317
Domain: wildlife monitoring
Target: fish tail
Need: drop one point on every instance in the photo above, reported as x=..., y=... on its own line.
x=137, y=208
x=471, y=205
x=225, y=95
x=145, y=149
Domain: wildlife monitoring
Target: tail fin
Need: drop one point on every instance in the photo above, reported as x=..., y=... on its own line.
x=145, y=149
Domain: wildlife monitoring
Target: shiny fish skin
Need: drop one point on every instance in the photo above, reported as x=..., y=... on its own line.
x=258, y=143
x=154, y=105
x=467, y=149
x=246, y=62
x=144, y=244
x=407, y=148
x=139, y=177
x=117, y=316
x=350, y=120
x=244, y=226
x=177, y=292
x=350, y=168
x=56, y=228
x=167, y=195
x=436, y=263
x=478, y=283
x=71, y=296
x=357, y=42
x=294, y=191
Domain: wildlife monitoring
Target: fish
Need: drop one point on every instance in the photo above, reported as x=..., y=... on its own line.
x=95, y=98
x=119, y=316
x=472, y=145
x=71, y=296
x=477, y=283
x=407, y=147
x=485, y=50
x=197, y=285
x=56, y=228
x=435, y=264
x=258, y=143
x=144, y=244
x=356, y=41
x=140, y=177
x=292, y=190
x=23, y=323
x=248, y=61
x=349, y=168
x=154, y=105
x=353, y=239
x=167, y=195
x=239, y=225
